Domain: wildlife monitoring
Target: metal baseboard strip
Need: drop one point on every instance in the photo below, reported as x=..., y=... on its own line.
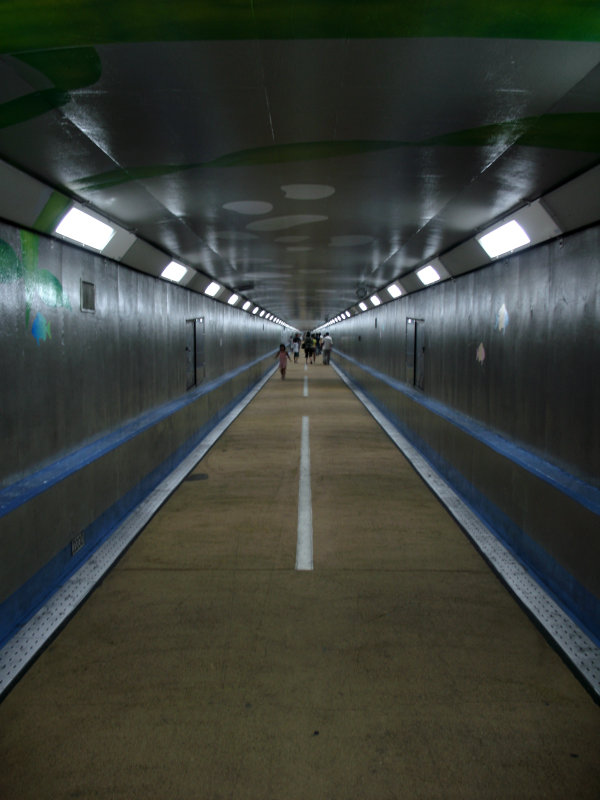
x=25, y=645
x=575, y=646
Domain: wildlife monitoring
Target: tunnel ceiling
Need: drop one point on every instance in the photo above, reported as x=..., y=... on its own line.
x=301, y=153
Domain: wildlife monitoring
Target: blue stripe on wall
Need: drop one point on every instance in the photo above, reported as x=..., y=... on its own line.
x=17, y=609
x=22, y=491
x=583, y=493
x=577, y=601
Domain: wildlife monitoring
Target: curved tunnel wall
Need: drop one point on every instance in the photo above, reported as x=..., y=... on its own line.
x=99, y=405
x=495, y=377
x=96, y=407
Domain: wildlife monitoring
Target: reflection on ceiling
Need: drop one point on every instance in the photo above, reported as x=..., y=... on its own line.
x=307, y=191
x=283, y=223
x=250, y=207
x=359, y=146
x=350, y=241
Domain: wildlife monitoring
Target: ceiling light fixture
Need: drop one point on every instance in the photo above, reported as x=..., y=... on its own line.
x=173, y=272
x=394, y=290
x=375, y=300
x=362, y=306
x=212, y=289
x=85, y=229
x=246, y=305
x=255, y=310
x=428, y=275
x=233, y=299
x=504, y=239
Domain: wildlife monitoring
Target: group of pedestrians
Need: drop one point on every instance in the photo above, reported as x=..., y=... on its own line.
x=312, y=344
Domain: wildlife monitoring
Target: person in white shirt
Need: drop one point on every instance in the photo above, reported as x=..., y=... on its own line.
x=326, y=346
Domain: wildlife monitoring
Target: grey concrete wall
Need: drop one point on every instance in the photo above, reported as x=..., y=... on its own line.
x=508, y=409
x=71, y=379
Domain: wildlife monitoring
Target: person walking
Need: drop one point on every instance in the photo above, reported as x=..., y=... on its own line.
x=307, y=346
x=296, y=348
x=284, y=357
x=326, y=345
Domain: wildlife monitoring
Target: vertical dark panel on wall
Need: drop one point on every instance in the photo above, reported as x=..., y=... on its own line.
x=420, y=347
x=409, y=351
x=190, y=353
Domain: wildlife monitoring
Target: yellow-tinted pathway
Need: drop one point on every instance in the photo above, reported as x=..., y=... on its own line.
x=206, y=666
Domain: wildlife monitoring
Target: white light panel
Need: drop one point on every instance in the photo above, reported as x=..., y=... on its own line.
x=233, y=299
x=428, y=275
x=504, y=239
x=394, y=290
x=173, y=272
x=212, y=289
x=375, y=300
x=85, y=229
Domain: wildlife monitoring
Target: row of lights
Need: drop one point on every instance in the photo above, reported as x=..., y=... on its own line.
x=213, y=289
x=90, y=231
x=504, y=239
x=85, y=229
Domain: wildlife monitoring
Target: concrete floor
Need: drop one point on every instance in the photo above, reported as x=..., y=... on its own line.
x=205, y=666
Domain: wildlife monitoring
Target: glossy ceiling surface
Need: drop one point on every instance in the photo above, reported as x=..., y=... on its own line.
x=304, y=154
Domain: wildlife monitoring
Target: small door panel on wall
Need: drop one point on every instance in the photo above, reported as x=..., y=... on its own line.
x=190, y=353
x=200, y=351
x=194, y=352
x=419, y=353
x=415, y=352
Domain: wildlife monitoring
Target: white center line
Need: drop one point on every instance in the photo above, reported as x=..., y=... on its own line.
x=305, y=392
x=304, y=545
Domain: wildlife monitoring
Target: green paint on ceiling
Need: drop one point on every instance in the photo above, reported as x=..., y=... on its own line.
x=301, y=151
x=52, y=212
x=66, y=69
x=41, y=24
x=574, y=132
x=31, y=105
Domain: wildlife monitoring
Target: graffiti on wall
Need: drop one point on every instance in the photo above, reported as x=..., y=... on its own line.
x=41, y=287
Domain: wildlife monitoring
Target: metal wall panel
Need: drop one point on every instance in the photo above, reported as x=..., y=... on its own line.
x=514, y=348
x=71, y=377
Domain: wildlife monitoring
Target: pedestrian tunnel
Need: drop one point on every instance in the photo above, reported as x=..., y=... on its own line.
x=212, y=660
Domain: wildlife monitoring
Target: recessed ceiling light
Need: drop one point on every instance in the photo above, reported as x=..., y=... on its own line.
x=262, y=313
x=362, y=306
x=246, y=305
x=504, y=239
x=428, y=275
x=233, y=299
x=375, y=300
x=212, y=289
x=85, y=229
x=173, y=272
x=394, y=290
x=255, y=310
